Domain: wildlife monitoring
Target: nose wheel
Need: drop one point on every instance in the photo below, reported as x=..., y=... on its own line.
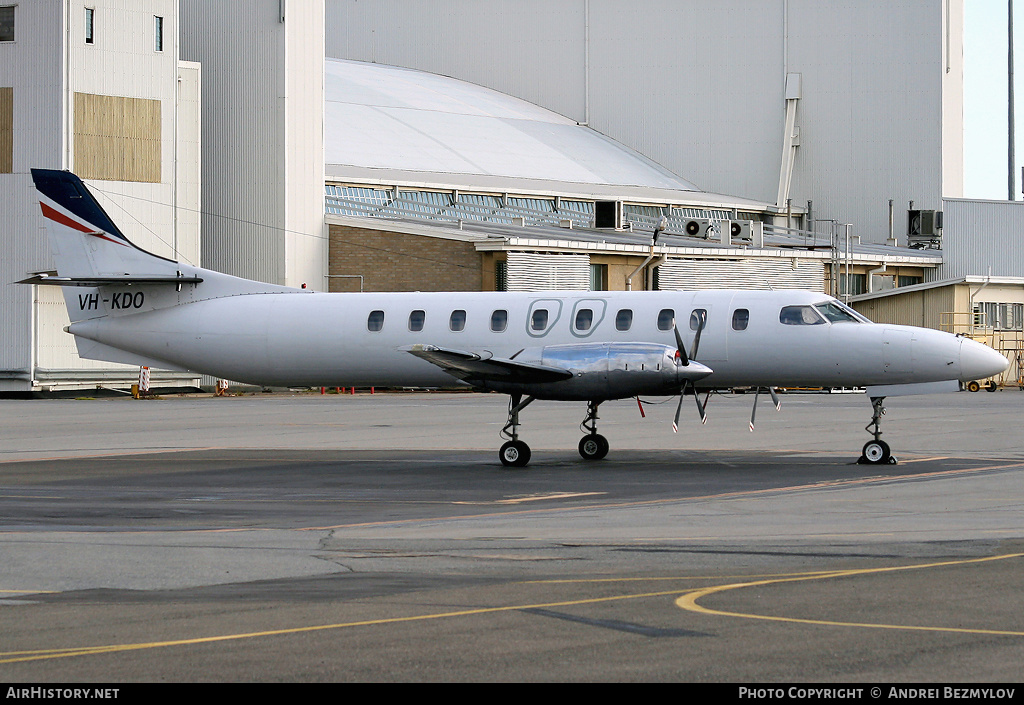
x=593, y=446
x=876, y=452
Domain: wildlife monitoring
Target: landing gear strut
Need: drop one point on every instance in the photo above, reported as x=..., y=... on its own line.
x=514, y=453
x=593, y=446
x=876, y=452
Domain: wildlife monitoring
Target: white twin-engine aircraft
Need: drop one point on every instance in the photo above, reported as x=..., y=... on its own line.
x=127, y=305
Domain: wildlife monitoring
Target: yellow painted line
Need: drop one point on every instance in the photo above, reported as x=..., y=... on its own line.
x=43, y=654
x=689, y=600
x=538, y=498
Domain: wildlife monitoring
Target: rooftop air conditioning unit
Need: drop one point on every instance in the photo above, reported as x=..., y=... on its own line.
x=924, y=229
x=699, y=227
x=608, y=214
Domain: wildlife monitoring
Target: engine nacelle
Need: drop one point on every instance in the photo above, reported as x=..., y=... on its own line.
x=606, y=371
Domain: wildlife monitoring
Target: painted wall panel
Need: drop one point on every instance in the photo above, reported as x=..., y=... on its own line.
x=982, y=237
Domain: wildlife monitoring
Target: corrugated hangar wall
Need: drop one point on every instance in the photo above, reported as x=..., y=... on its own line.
x=699, y=86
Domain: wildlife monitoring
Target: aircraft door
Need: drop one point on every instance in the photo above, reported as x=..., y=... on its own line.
x=714, y=338
x=542, y=317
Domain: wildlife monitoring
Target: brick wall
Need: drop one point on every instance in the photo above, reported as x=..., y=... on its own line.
x=389, y=261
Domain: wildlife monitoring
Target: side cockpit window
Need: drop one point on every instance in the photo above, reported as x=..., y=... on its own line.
x=800, y=316
x=838, y=313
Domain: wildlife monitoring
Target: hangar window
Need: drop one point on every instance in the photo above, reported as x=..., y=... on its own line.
x=584, y=319
x=416, y=319
x=90, y=16
x=499, y=320
x=666, y=319
x=740, y=319
x=539, y=319
x=375, y=321
x=800, y=316
x=7, y=23
x=698, y=318
x=158, y=31
x=457, y=321
x=624, y=319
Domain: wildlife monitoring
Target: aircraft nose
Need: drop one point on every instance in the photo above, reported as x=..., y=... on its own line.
x=978, y=361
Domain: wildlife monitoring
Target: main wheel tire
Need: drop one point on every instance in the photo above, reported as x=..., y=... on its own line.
x=875, y=453
x=593, y=446
x=991, y=386
x=973, y=386
x=514, y=454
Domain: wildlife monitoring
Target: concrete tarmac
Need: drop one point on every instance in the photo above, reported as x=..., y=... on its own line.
x=377, y=538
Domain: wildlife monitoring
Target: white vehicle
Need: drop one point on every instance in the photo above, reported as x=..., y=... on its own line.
x=127, y=305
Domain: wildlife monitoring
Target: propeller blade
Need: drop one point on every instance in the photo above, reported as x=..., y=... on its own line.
x=753, y=411
x=775, y=398
x=703, y=316
x=681, y=347
x=701, y=407
x=679, y=407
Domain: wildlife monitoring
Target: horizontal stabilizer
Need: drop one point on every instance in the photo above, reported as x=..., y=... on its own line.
x=471, y=366
x=50, y=279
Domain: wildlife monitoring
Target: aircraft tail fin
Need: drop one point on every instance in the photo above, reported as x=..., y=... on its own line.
x=86, y=243
x=102, y=272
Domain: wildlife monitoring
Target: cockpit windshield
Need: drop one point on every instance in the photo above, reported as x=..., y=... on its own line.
x=837, y=312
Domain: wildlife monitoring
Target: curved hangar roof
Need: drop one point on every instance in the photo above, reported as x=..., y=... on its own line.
x=396, y=124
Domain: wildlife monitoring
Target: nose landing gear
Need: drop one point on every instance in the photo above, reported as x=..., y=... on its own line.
x=876, y=452
x=593, y=446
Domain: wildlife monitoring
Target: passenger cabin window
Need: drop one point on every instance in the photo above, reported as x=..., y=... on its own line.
x=624, y=319
x=740, y=319
x=800, y=316
x=375, y=321
x=698, y=318
x=584, y=319
x=539, y=320
x=499, y=320
x=416, y=319
x=457, y=321
x=666, y=319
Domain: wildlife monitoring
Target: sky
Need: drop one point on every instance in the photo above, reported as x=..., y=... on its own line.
x=985, y=105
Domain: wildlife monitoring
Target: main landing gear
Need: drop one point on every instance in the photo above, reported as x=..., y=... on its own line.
x=876, y=452
x=515, y=453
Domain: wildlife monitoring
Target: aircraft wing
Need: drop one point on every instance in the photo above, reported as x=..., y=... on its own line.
x=472, y=366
